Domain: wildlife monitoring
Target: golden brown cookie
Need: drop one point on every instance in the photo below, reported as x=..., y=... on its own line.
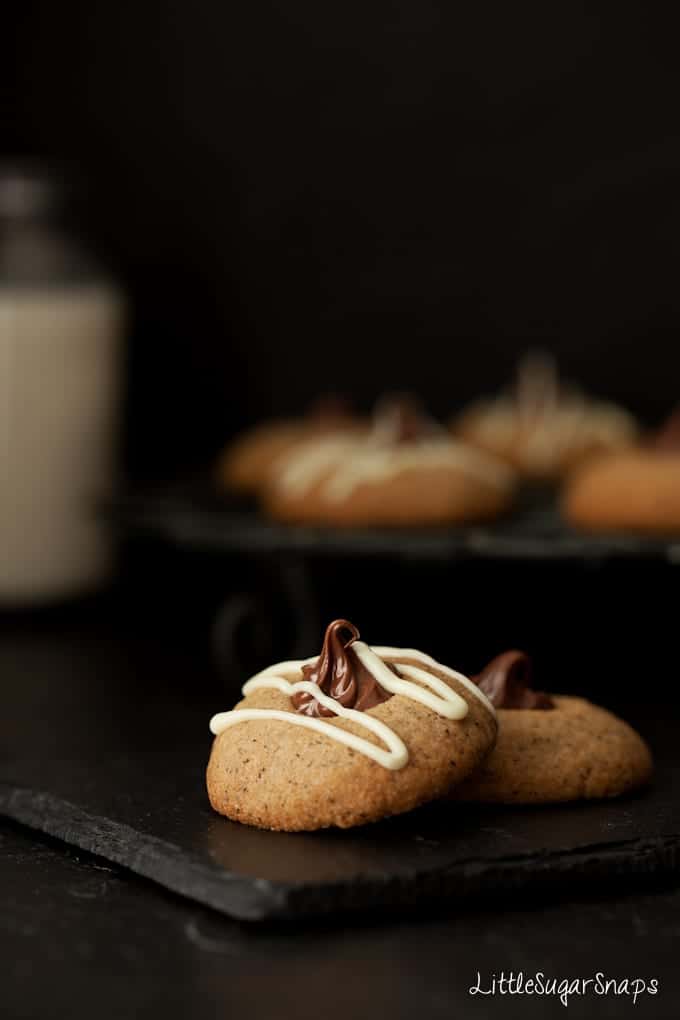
x=357, y=734
x=635, y=491
x=405, y=472
x=552, y=748
x=543, y=429
x=246, y=463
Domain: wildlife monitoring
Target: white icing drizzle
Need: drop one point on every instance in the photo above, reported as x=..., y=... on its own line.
x=372, y=465
x=395, y=758
x=300, y=469
x=391, y=654
x=439, y=697
x=341, y=465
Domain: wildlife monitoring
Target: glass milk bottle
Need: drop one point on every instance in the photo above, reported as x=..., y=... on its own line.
x=60, y=359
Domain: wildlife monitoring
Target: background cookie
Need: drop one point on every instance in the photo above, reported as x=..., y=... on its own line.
x=550, y=448
x=634, y=491
x=247, y=461
x=575, y=751
x=391, y=490
x=405, y=471
x=543, y=428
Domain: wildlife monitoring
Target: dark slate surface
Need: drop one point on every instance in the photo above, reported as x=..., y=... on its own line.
x=195, y=516
x=115, y=761
x=149, y=813
x=80, y=937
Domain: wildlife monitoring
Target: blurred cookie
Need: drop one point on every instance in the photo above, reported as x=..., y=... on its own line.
x=552, y=748
x=246, y=463
x=629, y=491
x=406, y=471
x=636, y=490
x=347, y=737
x=542, y=428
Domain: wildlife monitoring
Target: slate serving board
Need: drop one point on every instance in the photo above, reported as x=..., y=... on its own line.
x=196, y=516
x=148, y=812
x=103, y=744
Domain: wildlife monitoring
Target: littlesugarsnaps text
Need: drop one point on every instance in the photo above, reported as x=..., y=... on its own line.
x=563, y=988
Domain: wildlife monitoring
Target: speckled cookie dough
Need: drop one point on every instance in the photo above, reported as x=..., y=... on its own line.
x=348, y=737
x=552, y=748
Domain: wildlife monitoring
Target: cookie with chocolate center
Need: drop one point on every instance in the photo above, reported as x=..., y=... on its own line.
x=543, y=427
x=353, y=735
x=550, y=747
x=246, y=463
x=405, y=471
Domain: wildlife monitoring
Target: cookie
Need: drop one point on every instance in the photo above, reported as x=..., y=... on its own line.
x=634, y=491
x=406, y=472
x=246, y=463
x=347, y=737
x=542, y=428
x=552, y=748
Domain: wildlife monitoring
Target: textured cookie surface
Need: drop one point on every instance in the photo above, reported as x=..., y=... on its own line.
x=270, y=774
x=575, y=751
x=635, y=491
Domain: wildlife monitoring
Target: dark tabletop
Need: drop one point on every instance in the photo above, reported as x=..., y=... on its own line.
x=80, y=938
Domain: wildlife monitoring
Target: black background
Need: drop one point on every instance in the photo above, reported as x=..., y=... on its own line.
x=306, y=196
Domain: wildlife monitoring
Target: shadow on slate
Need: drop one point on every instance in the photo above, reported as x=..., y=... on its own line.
x=149, y=813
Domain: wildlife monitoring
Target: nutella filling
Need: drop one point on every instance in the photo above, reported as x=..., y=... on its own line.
x=667, y=439
x=506, y=681
x=340, y=674
x=400, y=418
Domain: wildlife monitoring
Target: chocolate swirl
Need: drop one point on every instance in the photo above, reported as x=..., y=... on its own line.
x=506, y=681
x=340, y=674
x=400, y=418
x=667, y=439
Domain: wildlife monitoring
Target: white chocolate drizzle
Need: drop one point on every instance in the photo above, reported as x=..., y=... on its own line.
x=341, y=465
x=422, y=687
x=551, y=420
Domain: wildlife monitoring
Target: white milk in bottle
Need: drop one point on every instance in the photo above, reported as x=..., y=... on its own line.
x=60, y=360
